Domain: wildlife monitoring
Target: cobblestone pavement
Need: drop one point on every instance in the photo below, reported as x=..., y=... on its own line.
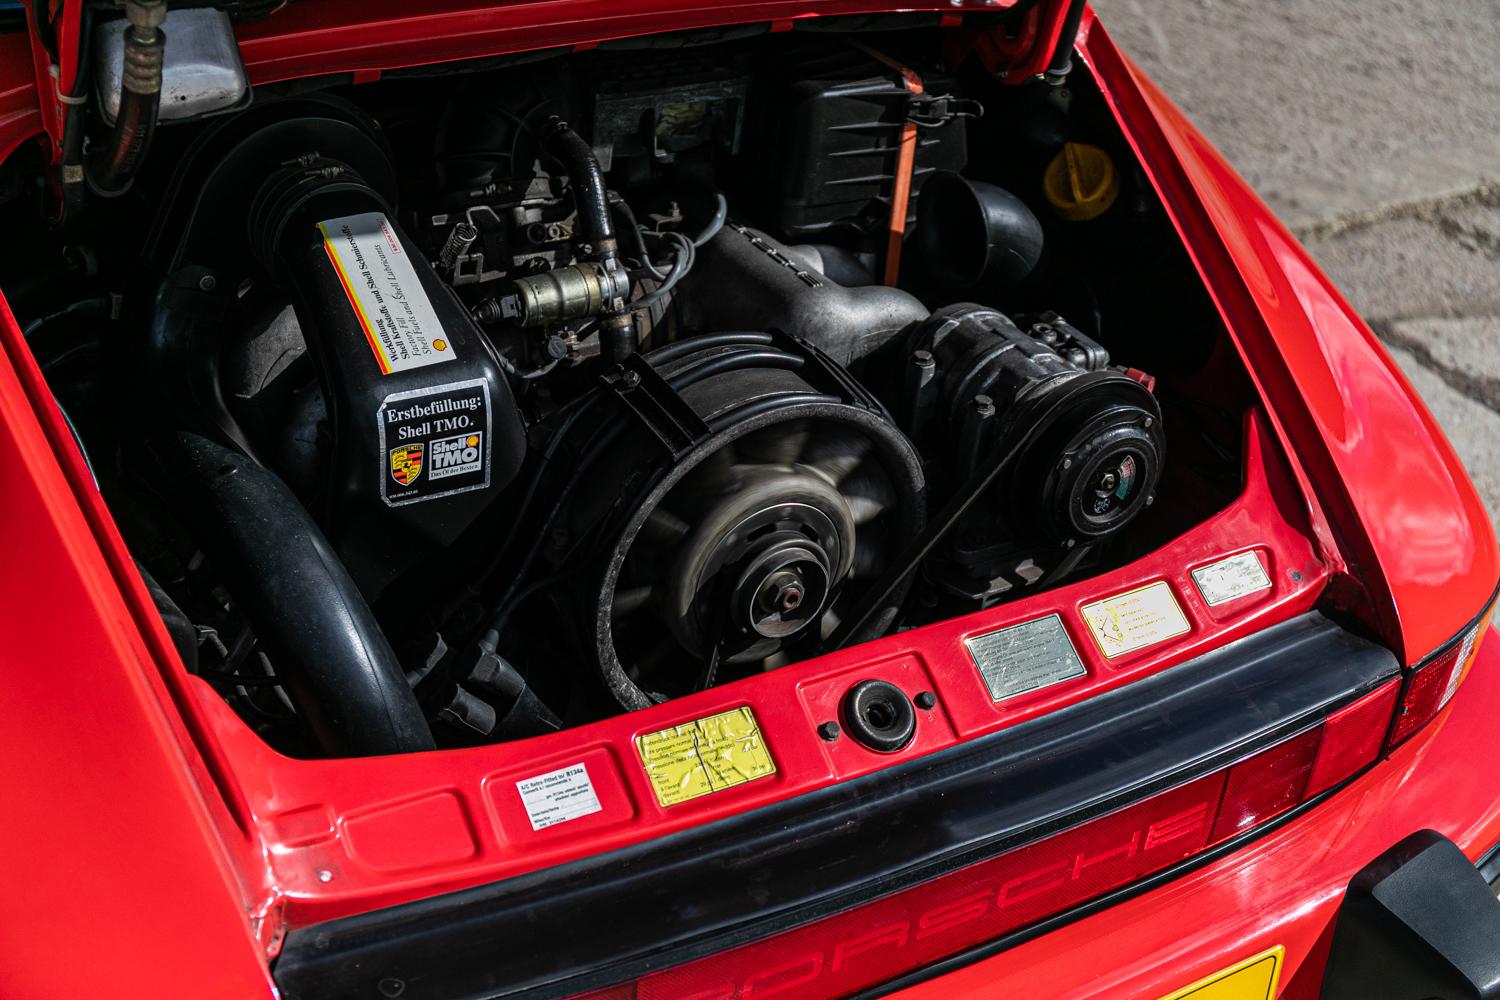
x=1373, y=128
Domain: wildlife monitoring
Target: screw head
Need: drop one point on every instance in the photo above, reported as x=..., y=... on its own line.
x=829, y=731
x=925, y=700
x=324, y=875
x=208, y=283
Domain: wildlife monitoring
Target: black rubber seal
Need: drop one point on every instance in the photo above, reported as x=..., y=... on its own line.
x=878, y=715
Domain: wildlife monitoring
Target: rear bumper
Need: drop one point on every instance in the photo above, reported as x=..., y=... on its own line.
x=1284, y=889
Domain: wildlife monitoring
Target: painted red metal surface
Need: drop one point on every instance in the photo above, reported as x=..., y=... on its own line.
x=329, y=36
x=1406, y=515
x=123, y=874
x=1283, y=889
x=20, y=115
x=321, y=37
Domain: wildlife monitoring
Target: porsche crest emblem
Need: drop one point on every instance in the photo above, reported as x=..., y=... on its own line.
x=406, y=463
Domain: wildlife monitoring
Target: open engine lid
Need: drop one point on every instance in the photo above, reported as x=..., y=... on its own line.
x=1016, y=39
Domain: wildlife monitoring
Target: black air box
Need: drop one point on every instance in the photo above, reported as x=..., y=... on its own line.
x=830, y=125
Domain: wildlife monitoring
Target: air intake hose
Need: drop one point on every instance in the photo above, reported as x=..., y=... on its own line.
x=304, y=607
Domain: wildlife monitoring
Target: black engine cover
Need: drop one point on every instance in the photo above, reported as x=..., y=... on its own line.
x=425, y=429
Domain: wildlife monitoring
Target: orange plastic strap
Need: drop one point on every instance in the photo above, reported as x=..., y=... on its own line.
x=906, y=159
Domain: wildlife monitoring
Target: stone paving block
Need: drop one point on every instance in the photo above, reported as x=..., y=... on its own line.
x=1463, y=350
x=1330, y=107
x=1403, y=267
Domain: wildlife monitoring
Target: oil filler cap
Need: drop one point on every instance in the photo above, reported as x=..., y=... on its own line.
x=879, y=716
x=1081, y=182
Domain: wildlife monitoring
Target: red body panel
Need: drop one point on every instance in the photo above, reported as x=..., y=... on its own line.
x=349, y=835
x=121, y=876
x=161, y=838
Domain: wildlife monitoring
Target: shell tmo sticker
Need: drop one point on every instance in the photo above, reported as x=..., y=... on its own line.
x=435, y=442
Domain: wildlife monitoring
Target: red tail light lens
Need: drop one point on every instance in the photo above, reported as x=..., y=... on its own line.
x=1433, y=683
x=1266, y=784
x=874, y=942
x=1352, y=738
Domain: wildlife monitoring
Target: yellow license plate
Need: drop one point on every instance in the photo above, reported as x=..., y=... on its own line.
x=1255, y=978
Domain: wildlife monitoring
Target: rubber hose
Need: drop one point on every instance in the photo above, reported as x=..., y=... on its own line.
x=140, y=96
x=300, y=601
x=589, y=194
x=618, y=337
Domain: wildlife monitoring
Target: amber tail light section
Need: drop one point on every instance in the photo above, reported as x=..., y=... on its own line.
x=879, y=940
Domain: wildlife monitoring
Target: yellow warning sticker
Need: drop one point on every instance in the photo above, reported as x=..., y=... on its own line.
x=1135, y=619
x=705, y=755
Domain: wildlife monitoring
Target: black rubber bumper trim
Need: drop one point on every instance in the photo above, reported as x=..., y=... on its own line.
x=1489, y=865
x=621, y=915
x=1418, y=923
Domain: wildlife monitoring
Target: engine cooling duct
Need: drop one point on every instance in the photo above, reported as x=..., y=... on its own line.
x=326, y=644
x=760, y=490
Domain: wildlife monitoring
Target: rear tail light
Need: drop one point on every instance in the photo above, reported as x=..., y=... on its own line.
x=1352, y=737
x=879, y=940
x=1433, y=682
x=1266, y=784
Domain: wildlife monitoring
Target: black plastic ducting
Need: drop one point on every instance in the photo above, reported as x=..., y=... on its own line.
x=305, y=609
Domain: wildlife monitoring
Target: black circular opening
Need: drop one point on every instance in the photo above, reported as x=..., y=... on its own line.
x=878, y=715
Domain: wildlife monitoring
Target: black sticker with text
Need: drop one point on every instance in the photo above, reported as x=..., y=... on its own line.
x=435, y=442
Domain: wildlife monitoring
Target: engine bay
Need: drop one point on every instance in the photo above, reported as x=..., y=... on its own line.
x=492, y=399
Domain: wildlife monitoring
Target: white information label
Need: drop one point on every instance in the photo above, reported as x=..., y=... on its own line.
x=383, y=289
x=1229, y=578
x=558, y=796
x=1135, y=619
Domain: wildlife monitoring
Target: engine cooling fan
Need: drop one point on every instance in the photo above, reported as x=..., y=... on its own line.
x=764, y=489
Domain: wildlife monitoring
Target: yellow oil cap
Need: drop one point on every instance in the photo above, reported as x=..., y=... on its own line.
x=1081, y=182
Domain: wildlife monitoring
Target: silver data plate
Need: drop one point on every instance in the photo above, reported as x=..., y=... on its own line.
x=1025, y=657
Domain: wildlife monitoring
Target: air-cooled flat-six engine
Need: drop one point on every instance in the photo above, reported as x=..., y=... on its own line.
x=623, y=376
